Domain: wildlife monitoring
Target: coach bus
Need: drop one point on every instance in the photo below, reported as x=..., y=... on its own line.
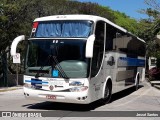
x=80, y=59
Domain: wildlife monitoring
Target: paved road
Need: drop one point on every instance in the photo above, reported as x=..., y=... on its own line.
x=147, y=98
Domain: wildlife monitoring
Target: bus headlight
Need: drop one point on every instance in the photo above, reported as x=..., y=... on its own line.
x=29, y=86
x=78, y=89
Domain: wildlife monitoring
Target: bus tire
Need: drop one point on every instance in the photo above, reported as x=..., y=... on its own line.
x=107, y=93
x=137, y=83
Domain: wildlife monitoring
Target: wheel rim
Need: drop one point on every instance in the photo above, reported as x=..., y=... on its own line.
x=107, y=94
x=137, y=83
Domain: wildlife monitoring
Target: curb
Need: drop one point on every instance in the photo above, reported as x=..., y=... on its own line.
x=10, y=88
x=155, y=83
x=157, y=86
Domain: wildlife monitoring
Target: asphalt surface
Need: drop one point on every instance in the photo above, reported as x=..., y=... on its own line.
x=145, y=101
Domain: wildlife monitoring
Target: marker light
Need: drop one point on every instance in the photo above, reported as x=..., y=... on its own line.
x=35, y=24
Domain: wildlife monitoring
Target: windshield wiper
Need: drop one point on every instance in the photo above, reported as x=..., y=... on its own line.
x=58, y=66
x=41, y=68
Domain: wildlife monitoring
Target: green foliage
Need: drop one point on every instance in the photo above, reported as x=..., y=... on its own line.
x=152, y=13
x=12, y=16
x=126, y=22
x=150, y=28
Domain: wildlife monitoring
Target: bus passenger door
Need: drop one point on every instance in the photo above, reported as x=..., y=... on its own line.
x=97, y=71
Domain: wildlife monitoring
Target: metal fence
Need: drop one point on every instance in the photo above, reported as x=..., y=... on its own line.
x=11, y=80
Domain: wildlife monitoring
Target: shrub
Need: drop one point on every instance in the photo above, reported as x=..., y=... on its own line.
x=154, y=73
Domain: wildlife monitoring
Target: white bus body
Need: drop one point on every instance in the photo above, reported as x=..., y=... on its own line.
x=80, y=59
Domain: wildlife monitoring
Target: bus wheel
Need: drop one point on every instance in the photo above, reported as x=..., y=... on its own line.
x=137, y=83
x=107, y=94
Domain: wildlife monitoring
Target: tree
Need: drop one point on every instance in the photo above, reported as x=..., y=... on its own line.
x=151, y=27
x=154, y=4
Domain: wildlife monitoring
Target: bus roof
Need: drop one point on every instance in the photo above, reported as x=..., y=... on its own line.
x=78, y=17
x=83, y=17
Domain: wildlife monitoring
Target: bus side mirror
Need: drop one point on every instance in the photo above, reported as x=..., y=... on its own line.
x=15, y=43
x=89, y=46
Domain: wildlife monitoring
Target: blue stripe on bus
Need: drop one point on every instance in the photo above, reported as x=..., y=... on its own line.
x=126, y=61
x=34, y=81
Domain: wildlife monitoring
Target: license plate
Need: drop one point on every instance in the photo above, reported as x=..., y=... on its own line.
x=53, y=97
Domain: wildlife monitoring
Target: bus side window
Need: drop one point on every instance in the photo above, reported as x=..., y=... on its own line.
x=98, y=48
x=121, y=42
x=110, y=35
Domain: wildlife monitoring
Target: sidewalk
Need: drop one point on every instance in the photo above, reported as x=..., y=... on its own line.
x=4, y=89
x=155, y=83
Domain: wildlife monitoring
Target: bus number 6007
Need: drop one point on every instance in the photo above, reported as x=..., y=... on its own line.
x=53, y=97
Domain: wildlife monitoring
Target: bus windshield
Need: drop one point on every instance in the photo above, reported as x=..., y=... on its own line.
x=63, y=28
x=69, y=54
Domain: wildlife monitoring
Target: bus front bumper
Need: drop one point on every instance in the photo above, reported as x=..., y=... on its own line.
x=64, y=97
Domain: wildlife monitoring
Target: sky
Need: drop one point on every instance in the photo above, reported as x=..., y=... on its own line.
x=129, y=7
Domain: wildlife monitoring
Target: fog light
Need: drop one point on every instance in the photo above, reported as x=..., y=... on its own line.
x=83, y=98
x=27, y=85
x=79, y=98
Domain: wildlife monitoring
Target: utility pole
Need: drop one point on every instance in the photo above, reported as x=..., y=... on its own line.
x=17, y=74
